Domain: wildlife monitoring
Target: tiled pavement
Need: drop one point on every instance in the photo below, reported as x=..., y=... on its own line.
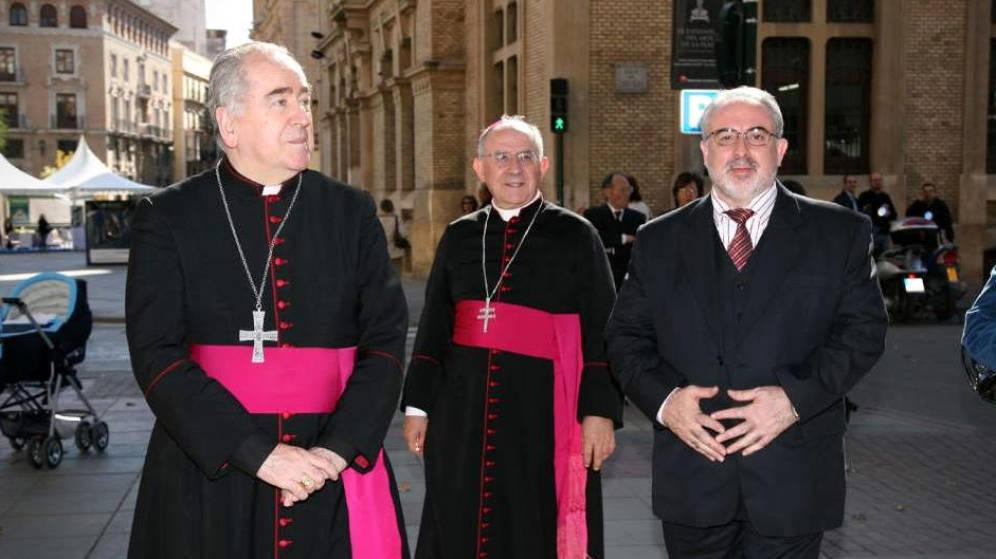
x=921, y=484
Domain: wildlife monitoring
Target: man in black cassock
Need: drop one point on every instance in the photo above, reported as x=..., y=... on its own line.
x=509, y=366
x=266, y=329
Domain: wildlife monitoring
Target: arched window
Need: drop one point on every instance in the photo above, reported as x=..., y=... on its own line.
x=77, y=17
x=48, y=16
x=18, y=14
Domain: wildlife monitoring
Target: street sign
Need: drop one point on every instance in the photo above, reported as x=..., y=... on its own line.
x=693, y=104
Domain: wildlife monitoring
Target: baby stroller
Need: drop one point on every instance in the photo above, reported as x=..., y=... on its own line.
x=45, y=322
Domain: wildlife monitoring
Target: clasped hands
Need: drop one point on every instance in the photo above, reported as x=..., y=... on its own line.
x=766, y=412
x=298, y=472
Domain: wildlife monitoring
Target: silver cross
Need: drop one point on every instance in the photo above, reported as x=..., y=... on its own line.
x=257, y=336
x=487, y=313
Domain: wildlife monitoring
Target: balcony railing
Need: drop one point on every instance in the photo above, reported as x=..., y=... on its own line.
x=125, y=125
x=65, y=122
x=16, y=76
x=144, y=90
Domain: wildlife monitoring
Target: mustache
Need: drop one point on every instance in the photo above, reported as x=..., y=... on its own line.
x=742, y=162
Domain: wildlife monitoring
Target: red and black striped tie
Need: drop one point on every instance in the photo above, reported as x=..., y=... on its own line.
x=740, y=247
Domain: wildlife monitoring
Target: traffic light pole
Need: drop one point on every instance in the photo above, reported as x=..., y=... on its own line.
x=560, y=170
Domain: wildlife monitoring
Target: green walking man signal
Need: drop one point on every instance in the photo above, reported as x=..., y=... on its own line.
x=558, y=105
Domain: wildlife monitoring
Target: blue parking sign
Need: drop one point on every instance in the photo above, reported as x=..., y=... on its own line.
x=693, y=104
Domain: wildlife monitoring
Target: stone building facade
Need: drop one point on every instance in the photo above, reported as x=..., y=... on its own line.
x=193, y=141
x=100, y=68
x=901, y=87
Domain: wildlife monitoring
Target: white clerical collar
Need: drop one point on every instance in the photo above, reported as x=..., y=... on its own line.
x=514, y=212
x=272, y=189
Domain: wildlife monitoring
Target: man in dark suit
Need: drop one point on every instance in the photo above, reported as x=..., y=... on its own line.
x=846, y=197
x=616, y=223
x=740, y=341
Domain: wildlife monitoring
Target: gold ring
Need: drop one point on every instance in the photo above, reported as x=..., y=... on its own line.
x=306, y=482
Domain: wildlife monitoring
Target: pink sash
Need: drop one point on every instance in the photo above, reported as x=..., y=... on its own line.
x=557, y=337
x=311, y=380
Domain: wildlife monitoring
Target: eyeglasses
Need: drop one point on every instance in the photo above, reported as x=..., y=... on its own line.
x=756, y=137
x=504, y=158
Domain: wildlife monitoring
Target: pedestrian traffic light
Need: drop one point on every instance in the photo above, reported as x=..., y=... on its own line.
x=736, y=49
x=558, y=105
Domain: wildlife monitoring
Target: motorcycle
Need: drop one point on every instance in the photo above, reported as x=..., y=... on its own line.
x=921, y=272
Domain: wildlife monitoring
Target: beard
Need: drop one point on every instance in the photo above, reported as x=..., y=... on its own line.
x=741, y=192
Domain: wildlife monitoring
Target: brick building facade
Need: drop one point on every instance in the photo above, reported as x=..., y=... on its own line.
x=902, y=87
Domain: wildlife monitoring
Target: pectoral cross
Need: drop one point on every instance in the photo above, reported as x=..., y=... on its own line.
x=487, y=313
x=257, y=336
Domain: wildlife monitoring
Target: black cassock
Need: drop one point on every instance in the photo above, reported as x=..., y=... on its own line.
x=330, y=286
x=489, y=448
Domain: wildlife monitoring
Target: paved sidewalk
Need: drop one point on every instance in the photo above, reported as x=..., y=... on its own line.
x=922, y=452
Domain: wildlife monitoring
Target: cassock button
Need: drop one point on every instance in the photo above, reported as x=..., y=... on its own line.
x=506, y=275
x=495, y=368
x=275, y=219
x=515, y=219
x=288, y=437
x=511, y=230
x=505, y=289
x=272, y=199
x=282, y=283
x=362, y=461
x=285, y=543
x=284, y=522
x=286, y=415
x=278, y=241
x=286, y=345
x=279, y=261
x=282, y=304
x=509, y=246
x=284, y=325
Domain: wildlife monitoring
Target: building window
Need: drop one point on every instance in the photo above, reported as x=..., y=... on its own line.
x=499, y=91
x=991, y=112
x=65, y=110
x=64, y=61
x=512, y=33
x=512, y=99
x=114, y=65
x=77, y=17
x=115, y=113
x=850, y=11
x=787, y=11
x=8, y=107
x=785, y=64
x=155, y=80
x=124, y=68
x=848, y=106
x=8, y=64
x=66, y=146
x=498, y=39
x=14, y=149
x=48, y=17
x=18, y=14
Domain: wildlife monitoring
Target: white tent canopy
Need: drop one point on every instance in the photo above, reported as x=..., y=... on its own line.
x=14, y=181
x=86, y=174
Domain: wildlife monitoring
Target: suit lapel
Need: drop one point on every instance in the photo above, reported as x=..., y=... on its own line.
x=778, y=252
x=697, y=249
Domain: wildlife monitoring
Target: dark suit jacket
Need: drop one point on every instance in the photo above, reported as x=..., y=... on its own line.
x=611, y=231
x=813, y=323
x=849, y=202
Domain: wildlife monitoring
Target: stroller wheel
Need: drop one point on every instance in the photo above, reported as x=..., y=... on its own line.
x=36, y=453
x=17, y=443
x=84, y=436
x=53, y=452
x=100, y=435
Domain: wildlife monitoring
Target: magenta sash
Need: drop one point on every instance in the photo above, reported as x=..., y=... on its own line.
x=557, y=337
x=311, y=380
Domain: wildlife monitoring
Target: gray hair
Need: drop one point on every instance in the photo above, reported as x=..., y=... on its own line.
x=228, y=81
x=512, y=122
x=749, y=95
